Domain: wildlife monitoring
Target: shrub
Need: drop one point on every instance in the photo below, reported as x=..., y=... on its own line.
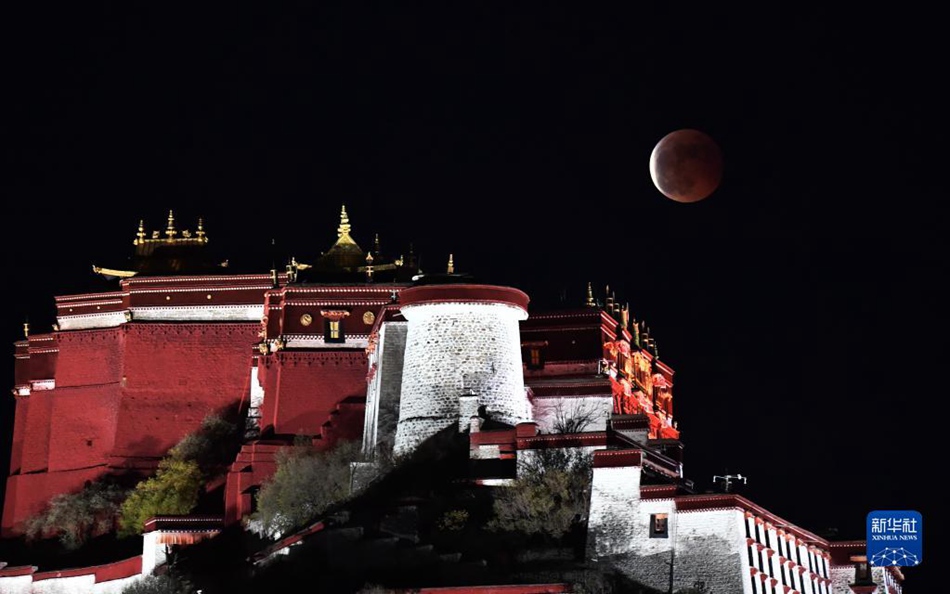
x=453, y=520
x=77, y=517
x=173, y=490
x=306, y=483
x=158, y=584
x=549, y=497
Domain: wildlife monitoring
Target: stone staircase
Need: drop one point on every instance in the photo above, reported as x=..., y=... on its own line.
x=345, y=422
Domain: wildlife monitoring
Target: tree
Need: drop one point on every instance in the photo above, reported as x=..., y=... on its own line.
x=77, y=517
x=173, y=490
x=306, y=483
x=574, y=419
x=549, y=497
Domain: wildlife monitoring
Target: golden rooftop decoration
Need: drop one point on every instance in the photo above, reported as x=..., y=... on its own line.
x=450, y=269
x=343, y=231
x=143, y=238
x=590, y=296
x=170, y=228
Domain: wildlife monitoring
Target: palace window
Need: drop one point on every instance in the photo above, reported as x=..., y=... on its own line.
x=862, y=573
x=536, y=362
x=334, y=331
x=533, y=354
x=658, y=526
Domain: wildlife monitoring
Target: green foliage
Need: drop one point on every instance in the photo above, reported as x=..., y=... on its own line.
x=173, y=490
x=306, y=483
x=212, y=446
x=77, y=517
x=159, y=584
x=453, y=520
x=549, y=498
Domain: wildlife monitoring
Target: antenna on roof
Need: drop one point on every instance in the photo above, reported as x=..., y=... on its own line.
x=728, y=480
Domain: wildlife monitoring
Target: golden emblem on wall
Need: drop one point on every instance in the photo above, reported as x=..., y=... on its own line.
x=306, y=319
x=368, y=318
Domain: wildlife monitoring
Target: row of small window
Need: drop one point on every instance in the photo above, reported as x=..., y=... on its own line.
x=810, y=560
x=785, y=575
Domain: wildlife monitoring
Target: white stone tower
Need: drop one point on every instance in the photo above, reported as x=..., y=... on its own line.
x=461, y=339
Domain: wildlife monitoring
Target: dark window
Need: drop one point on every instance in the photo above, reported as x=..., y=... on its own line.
x=535, y=358
x=658, y=526
x=334, y=331
x=861, y=573
x=747, y=533
x=751, y=560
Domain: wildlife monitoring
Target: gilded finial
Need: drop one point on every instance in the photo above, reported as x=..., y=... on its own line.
x=625, y=316
x=140, y=235
x=170, y=229
x=369, y=268
x=450, y=269
x=344, y=228
x=26, y=329
x=590, y=296
x=200, y=233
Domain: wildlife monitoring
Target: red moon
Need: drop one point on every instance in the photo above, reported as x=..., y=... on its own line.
x=686, y=165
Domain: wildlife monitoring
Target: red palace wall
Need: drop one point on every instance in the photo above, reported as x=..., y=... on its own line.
x=19, y=428
x=122, y=397
x=36, y=435
x=303, y=388
x=174, y=376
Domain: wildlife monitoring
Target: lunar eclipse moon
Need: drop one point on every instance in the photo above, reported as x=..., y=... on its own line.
x=686, y=165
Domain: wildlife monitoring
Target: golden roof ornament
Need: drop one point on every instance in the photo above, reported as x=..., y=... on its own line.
x=200, y=233
x=450, y=269
x=590, y=296
x=26, y=329
x=170, y=229
x=369, y=267
x=344, y=228
x=140, y=235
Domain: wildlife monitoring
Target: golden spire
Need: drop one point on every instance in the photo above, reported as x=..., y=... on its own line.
x=369, y=267
x=26, y=329
x=170, y=229
x=450, y=269
x=200, y=233
x=590, y=296
x=140, y=235
x=625, y=316
x=344, y=228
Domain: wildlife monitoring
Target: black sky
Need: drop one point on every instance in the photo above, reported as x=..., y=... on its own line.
x=802, y=304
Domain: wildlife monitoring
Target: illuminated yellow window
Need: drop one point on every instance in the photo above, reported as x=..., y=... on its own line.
x=535, y=357
x=334, y=329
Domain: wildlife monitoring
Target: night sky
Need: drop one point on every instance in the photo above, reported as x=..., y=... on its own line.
x=802, y=305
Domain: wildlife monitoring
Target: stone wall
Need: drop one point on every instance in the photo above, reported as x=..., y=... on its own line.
x=457, y=347
x=383, y=388
x=701, y=549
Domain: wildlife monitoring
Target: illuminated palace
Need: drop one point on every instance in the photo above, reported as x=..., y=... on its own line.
x=327, y=349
